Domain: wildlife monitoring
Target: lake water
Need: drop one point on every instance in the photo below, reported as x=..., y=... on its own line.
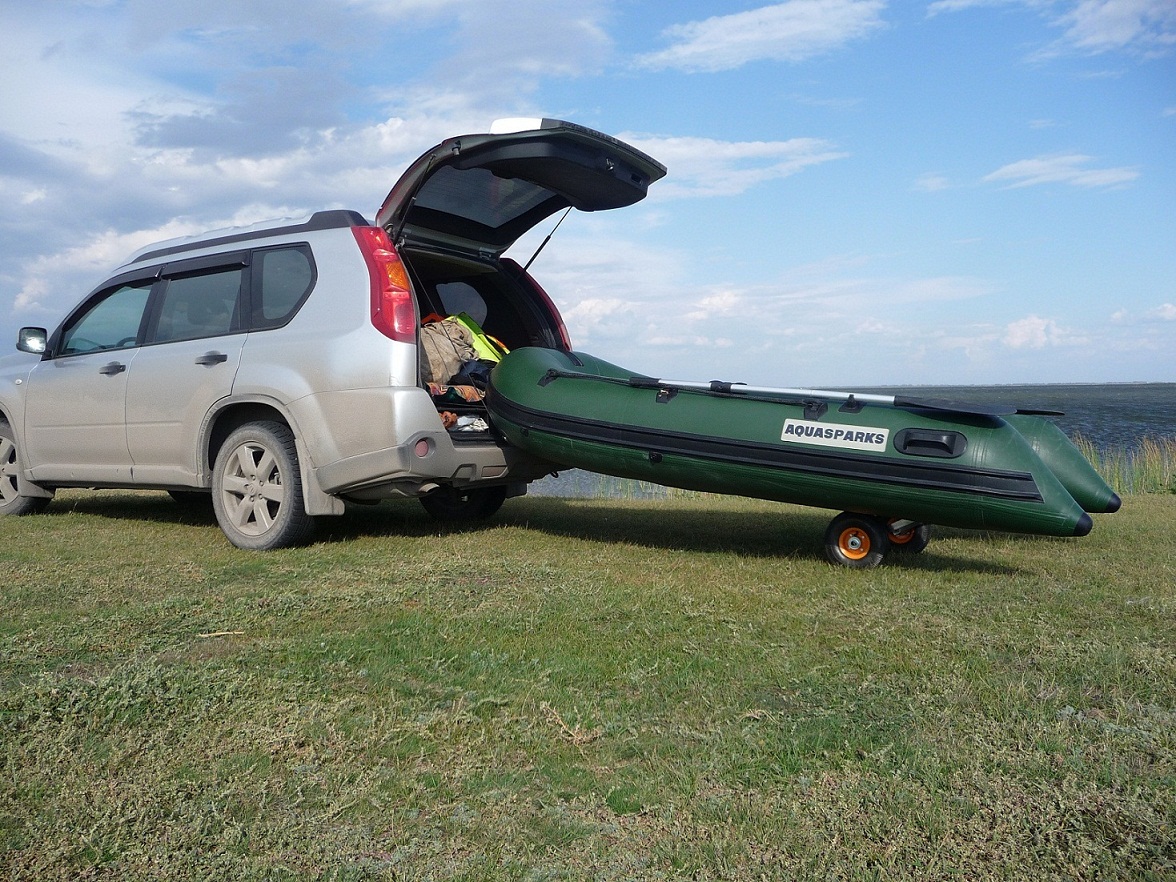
x=1111, y=416
x=1114, y=416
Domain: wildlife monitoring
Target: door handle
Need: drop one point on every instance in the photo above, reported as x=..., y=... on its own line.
x=113, y=368
x=212, y=358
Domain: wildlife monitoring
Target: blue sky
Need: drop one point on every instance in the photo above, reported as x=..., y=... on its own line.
x=859, y=191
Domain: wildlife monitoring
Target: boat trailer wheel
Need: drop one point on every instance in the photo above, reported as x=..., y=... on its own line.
x=910, y=538
x=856, y=541
x=863, y=541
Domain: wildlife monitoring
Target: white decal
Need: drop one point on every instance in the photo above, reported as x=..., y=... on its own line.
x=849, y=437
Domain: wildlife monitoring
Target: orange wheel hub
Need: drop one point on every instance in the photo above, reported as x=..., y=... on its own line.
x=854, y=543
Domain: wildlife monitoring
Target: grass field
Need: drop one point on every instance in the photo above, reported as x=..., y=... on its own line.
x=583, y=689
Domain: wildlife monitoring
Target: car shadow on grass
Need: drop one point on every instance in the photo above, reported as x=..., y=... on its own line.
x=134, y=505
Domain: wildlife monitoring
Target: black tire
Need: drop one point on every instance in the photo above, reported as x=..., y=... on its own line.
x=12, y=502
x=466, y=504
x=257, y=488
x=911, y=541
x=856, y=541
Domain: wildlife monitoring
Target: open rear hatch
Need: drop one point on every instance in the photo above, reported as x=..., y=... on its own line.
x=462, y=204
x=480, y=193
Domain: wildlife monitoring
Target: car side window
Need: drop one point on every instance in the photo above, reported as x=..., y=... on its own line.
x=282, y=279
x=205, y=304
x=112, y=322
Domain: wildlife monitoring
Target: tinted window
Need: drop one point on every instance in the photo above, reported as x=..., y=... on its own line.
x=199, y=305
x=282, y=279
x=479, y=195
x=110, y=323
x=459, y=297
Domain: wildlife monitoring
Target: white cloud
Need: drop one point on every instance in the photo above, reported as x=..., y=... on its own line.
x=1061, y=169
x=689, y=341
x=974, y=341
x=53, y=281
x=707, y=167
x=1105, y=25
x=1165, y=313
x=1034, y=332
x=29, y=298
x=791, y=31
x=1095, y=26
x=724, y=303
x=960, y=5
x=540, y=39
x=843, y=289
x=597, y=316
x=655, y=310
x=606, y=282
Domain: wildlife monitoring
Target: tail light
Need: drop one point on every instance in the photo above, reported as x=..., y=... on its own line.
x=393, y=308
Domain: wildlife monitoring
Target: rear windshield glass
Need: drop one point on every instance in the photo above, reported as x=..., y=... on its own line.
x=481, y=196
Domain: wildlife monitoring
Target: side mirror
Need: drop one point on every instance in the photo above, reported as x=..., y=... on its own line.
x=34, y=340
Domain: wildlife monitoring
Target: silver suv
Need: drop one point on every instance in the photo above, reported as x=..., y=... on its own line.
x=278, y=367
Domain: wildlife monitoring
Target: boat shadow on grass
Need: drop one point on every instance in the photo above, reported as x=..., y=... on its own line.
x=791, y=532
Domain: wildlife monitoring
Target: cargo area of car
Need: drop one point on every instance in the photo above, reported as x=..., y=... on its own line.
x=494, y=296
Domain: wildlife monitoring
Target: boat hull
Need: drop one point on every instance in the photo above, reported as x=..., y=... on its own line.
x=930, y=466
x=1066, y=461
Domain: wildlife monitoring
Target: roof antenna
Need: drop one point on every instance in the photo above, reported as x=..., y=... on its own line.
x=543, y=244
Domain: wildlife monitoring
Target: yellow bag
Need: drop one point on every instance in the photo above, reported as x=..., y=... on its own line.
x=487, y=347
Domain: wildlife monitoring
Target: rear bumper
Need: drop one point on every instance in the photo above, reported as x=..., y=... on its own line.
x=425, y=461
x=378, y=443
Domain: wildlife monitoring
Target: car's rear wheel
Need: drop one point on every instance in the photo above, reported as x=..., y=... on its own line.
x=257, y=488
x=12, y=501
x=466, y=504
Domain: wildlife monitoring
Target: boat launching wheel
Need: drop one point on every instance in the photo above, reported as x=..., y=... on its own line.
x=856, y=541
x=908, y=537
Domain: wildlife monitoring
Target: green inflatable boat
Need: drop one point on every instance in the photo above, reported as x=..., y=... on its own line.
x=894, y=465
